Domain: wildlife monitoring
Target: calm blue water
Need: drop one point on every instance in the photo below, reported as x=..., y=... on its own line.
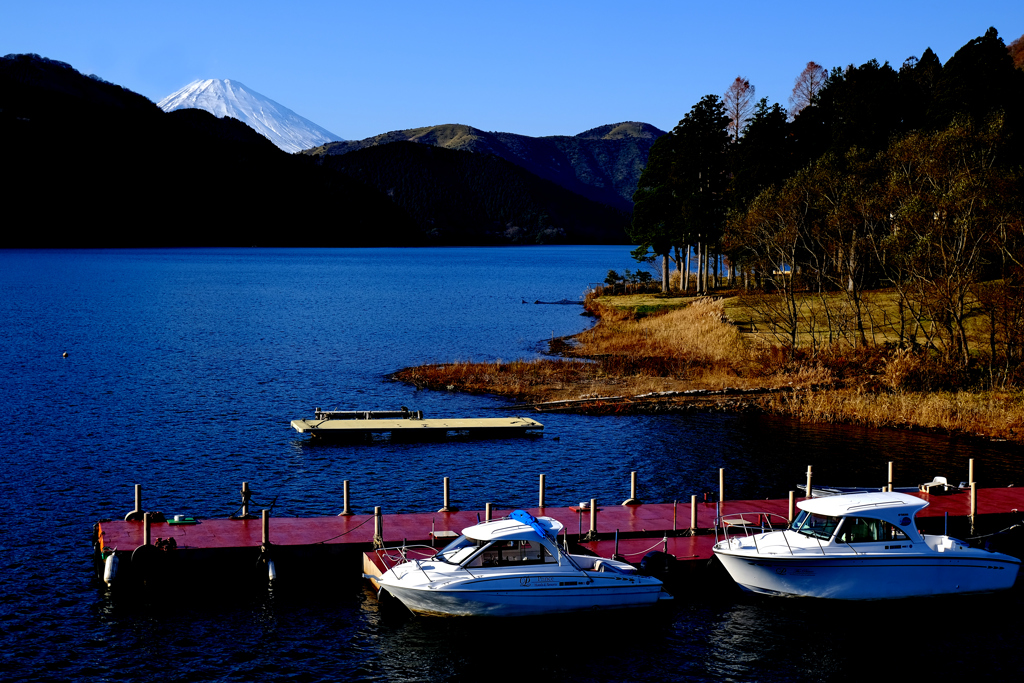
x=184, y=369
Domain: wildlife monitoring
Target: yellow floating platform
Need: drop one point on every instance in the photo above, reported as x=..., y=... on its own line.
x=411, y=428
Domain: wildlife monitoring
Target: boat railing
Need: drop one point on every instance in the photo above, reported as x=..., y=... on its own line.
x=396, y=555
x=750, y=524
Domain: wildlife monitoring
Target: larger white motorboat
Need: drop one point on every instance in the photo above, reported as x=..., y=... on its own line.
x=511, y=567
x=858, y=547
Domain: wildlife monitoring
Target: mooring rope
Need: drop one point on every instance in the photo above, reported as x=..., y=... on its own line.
x=368, y=519
x=644, y=552
x=995, y=533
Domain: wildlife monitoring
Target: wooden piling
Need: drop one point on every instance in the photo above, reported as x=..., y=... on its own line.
x=693, y=514
x=487, y=512
x=792, y=506
x=632, y=491
x=147, y=536
x=346, y=511
x=721, y=484
x=890, y=476
x=378, y=528
x=809, y=495
x=974, y=504
x=246, y=495
x=447, y=498
x=265, y=514
x=136, y=514
x=540, y=496
x=593, y=518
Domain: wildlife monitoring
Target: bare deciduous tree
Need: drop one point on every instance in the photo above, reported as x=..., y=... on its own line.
x=739, y=105
x=808, y=83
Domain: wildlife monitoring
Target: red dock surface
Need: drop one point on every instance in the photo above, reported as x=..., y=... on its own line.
x=640, y=527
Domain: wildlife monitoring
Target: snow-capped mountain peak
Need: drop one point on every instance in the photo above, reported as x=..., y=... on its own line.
x=222, y=97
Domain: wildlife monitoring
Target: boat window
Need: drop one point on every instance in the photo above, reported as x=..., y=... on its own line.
x=459, y=550
x=815, y=525
x=514, y=553
x=860, y=530
x=866, y=530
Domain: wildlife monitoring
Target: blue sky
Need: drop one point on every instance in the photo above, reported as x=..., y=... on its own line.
x=535, y=68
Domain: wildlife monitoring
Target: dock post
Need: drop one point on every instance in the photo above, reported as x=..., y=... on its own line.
x=266, y=528
x=146, y=531
x=809, y=495
x=792, y=506
x=970, y=471
x=721, y=484
x=974, y=503
x=540, y=497
x=487, y=512
x=592, y=534
x=246, y=495
x=344, y=488
x=136, y=514
x=890, y=476
x=675, y=514
x=378, y=528
x=693, y=515
x=447, y=491
x=632, y=490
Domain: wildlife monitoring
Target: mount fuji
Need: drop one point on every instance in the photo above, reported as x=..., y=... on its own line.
x=279, y=124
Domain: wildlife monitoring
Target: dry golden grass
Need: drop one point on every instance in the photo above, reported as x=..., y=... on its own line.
x=697, y=333
x=995, y=414
x=696, y=347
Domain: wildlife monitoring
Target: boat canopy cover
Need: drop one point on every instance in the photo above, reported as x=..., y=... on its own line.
x=515, y=528
x=875, y=505
x=528, y=519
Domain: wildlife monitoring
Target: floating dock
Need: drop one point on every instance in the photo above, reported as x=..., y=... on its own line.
x=366, y=425
x=336, y=547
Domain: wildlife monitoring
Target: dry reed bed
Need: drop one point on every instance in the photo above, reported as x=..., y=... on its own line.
x=696, y=348
x=993, y=414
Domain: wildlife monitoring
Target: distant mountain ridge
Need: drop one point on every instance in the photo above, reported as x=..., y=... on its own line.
x=113, y=170
x=228, y=98
x=602, y=164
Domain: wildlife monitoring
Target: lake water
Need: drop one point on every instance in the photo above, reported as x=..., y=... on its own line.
x=184, y=368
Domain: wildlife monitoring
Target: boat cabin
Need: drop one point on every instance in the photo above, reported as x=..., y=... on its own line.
x=860, y=518
x=503, y=542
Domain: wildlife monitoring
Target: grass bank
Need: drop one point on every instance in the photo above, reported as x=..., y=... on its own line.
x=650, y=354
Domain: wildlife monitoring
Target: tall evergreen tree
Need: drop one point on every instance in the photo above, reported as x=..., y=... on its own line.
x=978, y=81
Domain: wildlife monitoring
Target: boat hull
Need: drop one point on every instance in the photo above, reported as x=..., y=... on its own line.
x=871, y=578
x=504, y=599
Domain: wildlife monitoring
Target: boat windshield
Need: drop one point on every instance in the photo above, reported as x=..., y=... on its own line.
x=815, y=525
x=459, y=550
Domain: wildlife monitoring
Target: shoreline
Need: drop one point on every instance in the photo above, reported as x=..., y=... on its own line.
x=622, y=366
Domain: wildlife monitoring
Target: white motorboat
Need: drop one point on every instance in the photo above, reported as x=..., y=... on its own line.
x=510, y=567
x=858, y=547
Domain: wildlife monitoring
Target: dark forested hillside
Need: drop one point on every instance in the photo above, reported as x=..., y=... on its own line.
x=98, y=165
x=457, y=197
x=602, y=164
